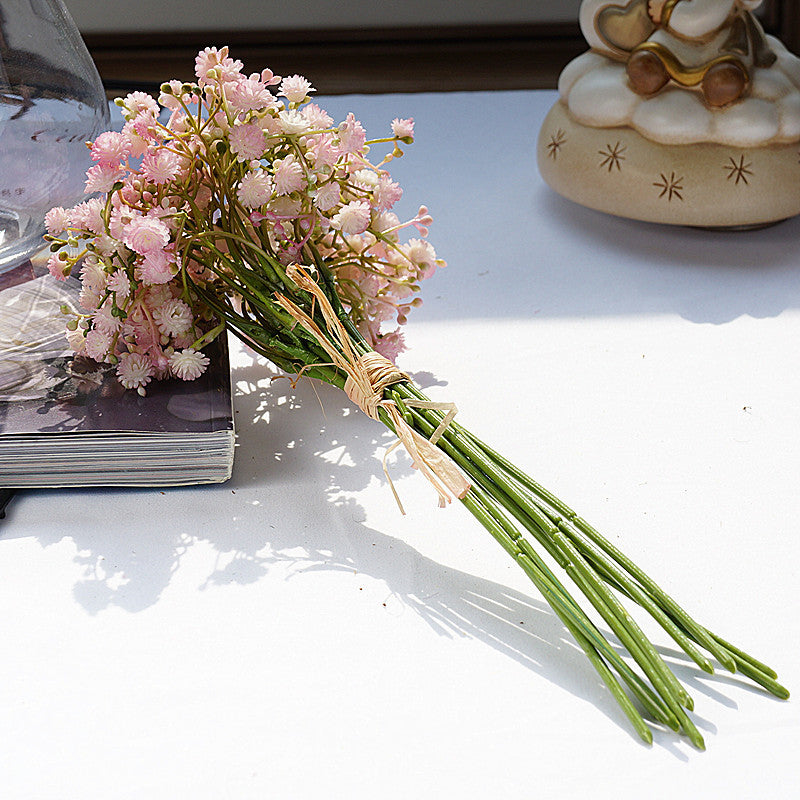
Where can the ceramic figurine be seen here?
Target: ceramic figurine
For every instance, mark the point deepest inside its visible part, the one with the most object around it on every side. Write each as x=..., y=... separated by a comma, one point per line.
x=682, y=112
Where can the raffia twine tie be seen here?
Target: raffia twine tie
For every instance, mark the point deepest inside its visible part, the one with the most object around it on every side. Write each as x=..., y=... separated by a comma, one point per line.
x=368, y=377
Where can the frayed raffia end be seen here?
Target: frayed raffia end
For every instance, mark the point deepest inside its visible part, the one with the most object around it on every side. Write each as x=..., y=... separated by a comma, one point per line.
x=368, y=376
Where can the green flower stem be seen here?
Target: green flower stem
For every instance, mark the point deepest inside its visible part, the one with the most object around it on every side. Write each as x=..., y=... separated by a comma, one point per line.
x=616, y=578
x=699, y=634
x=570, y=559
x=637, y=644
x=489, y=521
x=506, y=502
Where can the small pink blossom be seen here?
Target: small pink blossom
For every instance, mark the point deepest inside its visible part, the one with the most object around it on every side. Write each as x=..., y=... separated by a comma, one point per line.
x=324, y=152
x=160, y=166
x=247, y=141
x=135, y=371
x=97, y=344
x=120, y=284
x=105, y=321
x=174, y=317
x=352, y=135
x=327, y=196
x=255, y=189
x=76, y=339
x=249, y=94
x=146, y=235
x=93, y=276
x=158, y=267
x=111, y=148
x=188, y=364
x=403, y=128
x=387, y=193
x=316, y=116
x=292, y=122
x=101, y=177
x=353, y=217
x=210, y=58
x=137, y=102
x=288, y=176
x=390, y=345
x=57, y=268
x=422, y=255
x=137, y=143
x=89, y=216
x=57, y=220
x=295, y=88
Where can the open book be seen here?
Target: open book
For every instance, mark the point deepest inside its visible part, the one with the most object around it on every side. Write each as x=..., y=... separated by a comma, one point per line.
x=66, y=421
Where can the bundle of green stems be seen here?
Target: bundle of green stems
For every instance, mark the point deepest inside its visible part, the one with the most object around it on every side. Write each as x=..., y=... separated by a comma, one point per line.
x=540, y=532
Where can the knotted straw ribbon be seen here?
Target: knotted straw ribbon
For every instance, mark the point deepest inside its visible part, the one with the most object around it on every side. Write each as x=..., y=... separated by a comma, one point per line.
x=368, y=376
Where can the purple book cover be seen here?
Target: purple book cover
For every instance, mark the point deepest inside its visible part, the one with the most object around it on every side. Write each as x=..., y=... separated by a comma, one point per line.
x=45, y=389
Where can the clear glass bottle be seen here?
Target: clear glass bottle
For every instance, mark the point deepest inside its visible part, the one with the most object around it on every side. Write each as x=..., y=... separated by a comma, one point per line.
x=51, y=103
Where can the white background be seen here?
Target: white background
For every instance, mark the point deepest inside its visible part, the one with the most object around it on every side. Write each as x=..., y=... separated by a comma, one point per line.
x=290, y=635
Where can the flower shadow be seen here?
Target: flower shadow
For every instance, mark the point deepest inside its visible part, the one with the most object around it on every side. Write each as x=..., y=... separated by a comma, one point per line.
x=274, y=530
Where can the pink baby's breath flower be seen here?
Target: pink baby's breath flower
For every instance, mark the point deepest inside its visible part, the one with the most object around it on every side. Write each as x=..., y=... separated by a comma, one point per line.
x=316, y=116
x=158, y=267
x=288, y=176
x=351, y=135
x=390, y=345
x=292, y=122
x=385, y=222
x=387, y=193
x=352, y=218
x=57, y=220
x=403, y=128
x=160, y=166
x=135, y=371
x=226, y=68
x=137, y=102
x=57, y=268
x=255, y=189
x=138, y=144
x=249, y=94
x=422, y=255
x=120, y=284
x=188, y=364
x=247, y=141
x=97, y=344
x=295, y=88
x=111, y=148
x=101, y=177
x=324, y=152
x=93, y=276
x=327, y=196
x=174, y=317
x=89, y=216
x=146, y=235
x=145, y=126
x=105, y=321
x=89, y=297
x=365, y=178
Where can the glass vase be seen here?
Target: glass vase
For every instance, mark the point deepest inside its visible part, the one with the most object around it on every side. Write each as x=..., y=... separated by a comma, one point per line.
x=51, y=103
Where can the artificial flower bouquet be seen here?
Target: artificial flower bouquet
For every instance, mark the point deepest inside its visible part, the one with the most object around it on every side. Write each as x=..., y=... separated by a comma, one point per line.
x=234, y=203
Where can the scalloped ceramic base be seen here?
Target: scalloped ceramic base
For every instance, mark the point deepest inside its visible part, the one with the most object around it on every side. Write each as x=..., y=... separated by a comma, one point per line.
x=620, y=172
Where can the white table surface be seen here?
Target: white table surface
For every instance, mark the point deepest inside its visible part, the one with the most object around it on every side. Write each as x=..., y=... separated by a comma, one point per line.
x=290, y=635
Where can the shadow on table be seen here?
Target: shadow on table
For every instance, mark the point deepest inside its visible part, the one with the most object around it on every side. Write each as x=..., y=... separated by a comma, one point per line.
x=280, y=422
x=706, y=276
